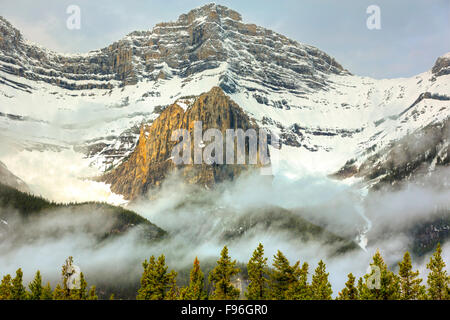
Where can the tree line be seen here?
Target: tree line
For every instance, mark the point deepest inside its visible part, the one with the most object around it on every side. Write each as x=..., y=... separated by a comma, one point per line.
x=13, y=288
x=280, y=281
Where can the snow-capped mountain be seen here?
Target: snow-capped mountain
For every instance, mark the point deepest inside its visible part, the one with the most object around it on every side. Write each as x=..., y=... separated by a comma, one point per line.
x=327, y=119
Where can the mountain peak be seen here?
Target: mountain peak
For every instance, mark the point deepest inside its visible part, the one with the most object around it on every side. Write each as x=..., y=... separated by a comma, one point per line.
x=211, y=12
x=8, y=34
x=206, y=38
x=442, y=65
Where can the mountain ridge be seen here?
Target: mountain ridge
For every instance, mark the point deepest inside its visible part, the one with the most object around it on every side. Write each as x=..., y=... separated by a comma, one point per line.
x=322, y=114
x=199, y=36
x=19, y=210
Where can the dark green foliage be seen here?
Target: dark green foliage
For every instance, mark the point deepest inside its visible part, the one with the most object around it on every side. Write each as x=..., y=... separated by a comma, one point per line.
x=438, y=279
x=47, y=293
x=92, y=294
x=59, y=293
x=280, y=219
x=320, y=286
x=428, y=234
x=80, y=293
x=389, y=283
x=300, y=289
x=18, y=291
x=284, y=282
x=31, y=206
x=196, y=288
x=221, y=277
x=409, y=280
x=6, y=288
x=283, y=277
x=350, y=292
x=36, y=288
x=25, y=203
x=173, y=292
x=156, y=282
x=257, y=270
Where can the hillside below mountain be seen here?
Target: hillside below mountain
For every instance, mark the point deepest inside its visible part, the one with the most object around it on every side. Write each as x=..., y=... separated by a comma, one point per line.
x=9, y=179
x=24, y=217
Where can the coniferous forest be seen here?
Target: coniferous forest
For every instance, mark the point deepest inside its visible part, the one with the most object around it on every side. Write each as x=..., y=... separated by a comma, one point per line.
x=279, y=281
x=226, y=159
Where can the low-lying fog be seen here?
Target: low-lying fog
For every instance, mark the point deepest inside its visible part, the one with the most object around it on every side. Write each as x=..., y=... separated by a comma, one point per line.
x=196, y=220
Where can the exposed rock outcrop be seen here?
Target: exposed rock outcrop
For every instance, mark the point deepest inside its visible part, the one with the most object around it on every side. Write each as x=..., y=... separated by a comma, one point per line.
x=442, y=65
x=413, y=156
x=151, y=162
x=197, y=41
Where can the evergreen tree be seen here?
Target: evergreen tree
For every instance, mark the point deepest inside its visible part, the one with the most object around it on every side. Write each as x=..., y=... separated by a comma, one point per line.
x=18, y=290
x=47, y=292
x=283, y=277
x=299, y=289
x=320, y=286
x=285, y=281
x=36, y=287
x=6, y=288
x=438, y=280
x=350, y=292
x=59, y=293
x=155, y=280
x=81, y=292
x=148, y=288
x=221, y=277
x=257, y=267
x=389, y=284
x=173, y=292
x=195, y=290
x=92, y=294
x=361, y=287
x=410, y=288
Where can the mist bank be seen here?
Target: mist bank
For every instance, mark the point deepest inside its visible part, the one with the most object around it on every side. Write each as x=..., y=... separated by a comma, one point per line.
x=307, y=216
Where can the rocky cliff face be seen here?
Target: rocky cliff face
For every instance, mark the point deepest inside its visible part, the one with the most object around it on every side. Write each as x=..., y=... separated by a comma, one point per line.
x=442, y=65
x=97, y=102
x=197, y=41
x=21, y=58
x=151, y=162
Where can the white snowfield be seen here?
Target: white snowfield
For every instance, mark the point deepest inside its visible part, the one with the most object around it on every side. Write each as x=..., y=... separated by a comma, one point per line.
x=352, y=114
x=324, y=115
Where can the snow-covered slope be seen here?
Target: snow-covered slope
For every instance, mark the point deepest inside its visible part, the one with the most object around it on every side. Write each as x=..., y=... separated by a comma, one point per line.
x=324, y=115
x=9, y=179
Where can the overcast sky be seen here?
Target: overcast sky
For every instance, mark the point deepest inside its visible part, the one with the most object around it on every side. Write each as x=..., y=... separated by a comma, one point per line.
x=413, y=32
